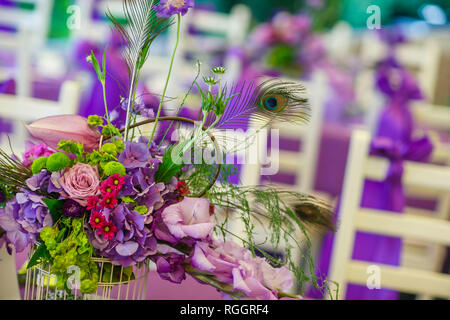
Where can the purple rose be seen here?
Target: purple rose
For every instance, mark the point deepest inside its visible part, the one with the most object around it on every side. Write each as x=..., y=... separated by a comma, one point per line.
x=189, y=218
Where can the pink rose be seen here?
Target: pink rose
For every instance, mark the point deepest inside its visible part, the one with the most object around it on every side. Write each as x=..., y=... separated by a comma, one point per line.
x=80, y=182
x=189, y=218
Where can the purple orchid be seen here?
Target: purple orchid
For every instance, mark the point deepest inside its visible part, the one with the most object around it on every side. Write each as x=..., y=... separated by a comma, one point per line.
x=167, y=8
x=189, y=218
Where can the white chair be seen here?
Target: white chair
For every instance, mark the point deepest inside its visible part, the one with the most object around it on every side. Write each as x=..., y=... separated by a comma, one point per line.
x=25, y=109
x=32, y=28
x=421, y=57
x=9, y=290
x=353, y=218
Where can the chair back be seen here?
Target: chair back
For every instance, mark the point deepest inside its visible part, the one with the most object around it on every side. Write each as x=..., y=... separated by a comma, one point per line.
x=353, y=218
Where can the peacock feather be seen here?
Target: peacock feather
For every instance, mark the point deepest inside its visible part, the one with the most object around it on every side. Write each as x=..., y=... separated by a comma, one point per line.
x=273, y=99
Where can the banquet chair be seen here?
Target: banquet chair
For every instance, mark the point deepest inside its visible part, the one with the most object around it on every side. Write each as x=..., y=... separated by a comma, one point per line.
x=343, y=269
x=421, y=57
x=24, y=109
x=29, y=31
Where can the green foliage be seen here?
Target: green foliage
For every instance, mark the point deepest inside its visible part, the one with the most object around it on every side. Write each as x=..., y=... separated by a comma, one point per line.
x=72, y=146
x=95, y=121
x=57, y=161
x=283, y=57
x=111, y=131
x=110, y=148
x=120, y=146
x=101, y=73
x=55, y=208
x=41, y=255
x=128, y=200
x=168, y=167
x=141, y=209
x=114, y=167
x=39, y=164
x=68, y=245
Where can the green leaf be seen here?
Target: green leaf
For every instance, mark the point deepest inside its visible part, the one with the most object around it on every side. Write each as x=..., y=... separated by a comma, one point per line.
x=168, y=168
x=55, y=208
x=96, y=67
x=39, y=255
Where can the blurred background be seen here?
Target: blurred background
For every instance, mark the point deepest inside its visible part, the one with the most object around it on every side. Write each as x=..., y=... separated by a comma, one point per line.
x=378, y=67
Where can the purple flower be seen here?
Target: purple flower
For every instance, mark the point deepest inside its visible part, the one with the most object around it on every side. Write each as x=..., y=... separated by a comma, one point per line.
x=189, y=218
x=133, y=242
x=15, y=234
x=167, y=8
x=135, y=155
x=33, y=213
x=233, y=264
x=23, y=218
x=170, y=266
x=73, y=209
x=2, y=197
x=34, y=151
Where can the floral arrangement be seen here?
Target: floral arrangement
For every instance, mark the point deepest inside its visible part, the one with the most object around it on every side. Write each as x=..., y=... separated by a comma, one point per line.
x=90, y=189
x=287, y=43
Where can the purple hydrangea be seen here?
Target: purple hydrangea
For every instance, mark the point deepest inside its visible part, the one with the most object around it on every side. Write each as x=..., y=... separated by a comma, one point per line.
x=45, y=181
x=2, y=197
x=167, y=8
x=133, y=242
x=15, y=234
x=23, y=218
x=135, y=155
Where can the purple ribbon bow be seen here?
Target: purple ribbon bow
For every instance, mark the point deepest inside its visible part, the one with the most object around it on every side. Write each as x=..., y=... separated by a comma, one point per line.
x=397, y=152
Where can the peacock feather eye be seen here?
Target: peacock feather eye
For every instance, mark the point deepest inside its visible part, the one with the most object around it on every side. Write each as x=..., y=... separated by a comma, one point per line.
x=274, y=102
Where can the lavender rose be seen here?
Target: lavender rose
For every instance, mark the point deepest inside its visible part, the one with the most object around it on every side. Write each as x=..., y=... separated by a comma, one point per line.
x=80, y=182
x=189, y=218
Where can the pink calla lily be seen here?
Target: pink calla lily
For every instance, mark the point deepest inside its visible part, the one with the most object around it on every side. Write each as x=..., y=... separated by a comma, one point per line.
x=51, y=130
